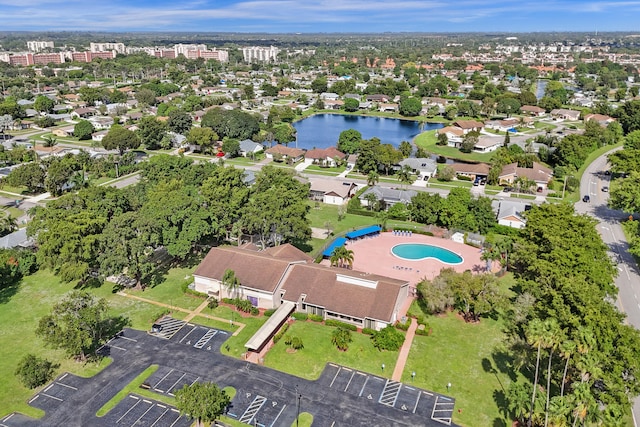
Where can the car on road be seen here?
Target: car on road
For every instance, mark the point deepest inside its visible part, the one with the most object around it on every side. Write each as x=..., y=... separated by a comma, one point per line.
x=605, y=189
x=586, y=199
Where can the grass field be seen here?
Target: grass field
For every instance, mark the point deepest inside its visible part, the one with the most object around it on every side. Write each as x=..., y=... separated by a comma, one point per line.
x=318, y=350
x=427, y=141
x=458, y=353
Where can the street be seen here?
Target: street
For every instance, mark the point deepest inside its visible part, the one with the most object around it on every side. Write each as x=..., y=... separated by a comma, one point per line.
x=593, y=180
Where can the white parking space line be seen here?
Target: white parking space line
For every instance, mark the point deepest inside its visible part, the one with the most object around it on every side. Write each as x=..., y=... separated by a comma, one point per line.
x=160, y=417
x=127, y=338
x=53, y=397
x=335, y=376
x=130, y=409
x=65, y=385
x=350, y=379
x=162, y=379
x=34, y=398
x=278, y=416
x=145, y=412
x=183, y=338
x=417, y=401
x=176, y=383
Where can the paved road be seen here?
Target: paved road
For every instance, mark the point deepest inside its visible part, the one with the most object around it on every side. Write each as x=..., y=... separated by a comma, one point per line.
x=628, y=280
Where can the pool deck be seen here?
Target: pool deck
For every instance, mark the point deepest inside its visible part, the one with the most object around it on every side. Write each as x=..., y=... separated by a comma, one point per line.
x=373, y=255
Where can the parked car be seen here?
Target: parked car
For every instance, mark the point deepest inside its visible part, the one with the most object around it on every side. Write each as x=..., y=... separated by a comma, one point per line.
x=586, y=199
x=605, y=189
x=155, y=328
x=607, y=172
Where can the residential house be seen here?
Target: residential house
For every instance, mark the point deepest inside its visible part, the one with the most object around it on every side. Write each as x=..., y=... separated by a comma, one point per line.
x=331, y=104
x=511, y=212
x=99, y=136
x=17, y=239
x=601, y=119
x=533, y=110
x=249, y=148
x=283, y=152
x=63, y=132
x=377, y=98
x=564, y=114
x=468, y=125
x=285, y=275
x=351, y=161
x=83, y=113
x=328, y=157
x=101, y=122
x=471, y=170
x=425, y=168
x=487, y=144
x=539, y=174
x=388, y=107
x=387, y=196
x=331, y=192
x=502, y=125
x=454, y=135
x=329, y=96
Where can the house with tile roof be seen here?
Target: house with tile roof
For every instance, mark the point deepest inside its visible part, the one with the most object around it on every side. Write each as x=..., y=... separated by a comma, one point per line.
x=328, y=157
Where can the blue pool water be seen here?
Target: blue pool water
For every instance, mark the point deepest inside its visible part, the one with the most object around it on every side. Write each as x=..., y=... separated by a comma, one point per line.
x=420, y=251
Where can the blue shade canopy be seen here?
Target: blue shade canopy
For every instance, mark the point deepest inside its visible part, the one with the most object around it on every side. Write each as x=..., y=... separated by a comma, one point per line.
x=363, y=232
x=333, y=245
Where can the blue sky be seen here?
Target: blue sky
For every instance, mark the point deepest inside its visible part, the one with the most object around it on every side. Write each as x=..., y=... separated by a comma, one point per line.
x=284, y=16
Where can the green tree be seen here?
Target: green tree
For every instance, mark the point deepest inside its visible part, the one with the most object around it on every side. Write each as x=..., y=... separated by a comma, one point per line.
x=231, y=123
x=425, y=207
x=78, y=324
x=203, y=402
x=231, y=147
x=83, y=130
x=373, y=178
x=351, y=105
x=405, y=148
x=437, y=294
x=59, y=174
x=226, y=195
x=146, y=97
x=179, y=121
x=410, y=106
x=30, y=175
x=127, y=244
x=349, y=141
x=121, y=139
x=446, y=173
x=405, y=175
x=49, y=141
x=202, y=137
x=151, y=132
x=35, y=371
x=319, y=85
x=626, y=194
x=341, y=337
x=368, y=155
x=342, y=257
x=43, y=104
x=387, y=156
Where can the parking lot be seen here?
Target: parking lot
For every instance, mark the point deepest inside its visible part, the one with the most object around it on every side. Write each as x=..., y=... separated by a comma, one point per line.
x=258, y=410
x=120, y=344
x=393, y=394
x=167, y=381
x=140, y=411
x=56, y=393
x=201, y=337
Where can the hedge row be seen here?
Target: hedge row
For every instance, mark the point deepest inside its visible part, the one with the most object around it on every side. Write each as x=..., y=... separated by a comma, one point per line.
x=278, y=336
x=300, y=316
x=316, y=318
x=331, y=322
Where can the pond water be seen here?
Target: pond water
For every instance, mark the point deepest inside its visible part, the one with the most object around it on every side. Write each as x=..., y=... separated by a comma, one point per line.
x=323, y=130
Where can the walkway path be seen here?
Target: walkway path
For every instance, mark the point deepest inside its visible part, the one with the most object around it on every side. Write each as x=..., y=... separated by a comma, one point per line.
x=404, y=351
x=191, y=313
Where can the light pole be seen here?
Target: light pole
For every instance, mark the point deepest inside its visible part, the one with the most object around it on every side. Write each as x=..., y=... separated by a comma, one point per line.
x=413, y=375
x=298, y=397
x=382, y=367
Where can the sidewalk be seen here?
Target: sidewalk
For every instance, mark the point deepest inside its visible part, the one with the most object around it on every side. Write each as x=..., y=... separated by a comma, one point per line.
x=404, y=351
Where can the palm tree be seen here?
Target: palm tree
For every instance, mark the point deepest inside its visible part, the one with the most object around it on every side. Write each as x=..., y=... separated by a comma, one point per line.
x=373, y=178
x=231, y=282
x=49, y=141
x=8, y=224
x=559, y=411
x=343, y=256
x=567, y=348
x=371, y=199
x=535, y=337
x=553, y=337
x=405, y=175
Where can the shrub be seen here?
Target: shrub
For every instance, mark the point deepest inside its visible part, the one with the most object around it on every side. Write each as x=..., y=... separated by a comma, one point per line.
x=185, y=284
x=463, y=178
x=269, y=312
x=229, y=301
x=160, y=314
x=368, y=331
x=296, y=343
x=34, y=371
x=423, y=329
x=278, y=336
x=331, y=322
x=315, y=318
x=255, y=311
x=244, y=305
x=197, y=294
x=403, y=326
x=341, y=338
x=388, y=338
x=213, y=304
x=300, y=316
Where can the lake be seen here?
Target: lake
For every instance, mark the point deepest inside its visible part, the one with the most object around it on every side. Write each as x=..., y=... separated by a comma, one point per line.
x=323, y=130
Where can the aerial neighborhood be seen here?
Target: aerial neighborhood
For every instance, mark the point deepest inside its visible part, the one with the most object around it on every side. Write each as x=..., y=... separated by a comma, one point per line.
x=313, y=229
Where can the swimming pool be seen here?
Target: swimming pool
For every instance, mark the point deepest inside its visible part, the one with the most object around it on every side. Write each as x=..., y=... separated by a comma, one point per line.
x=421, y=251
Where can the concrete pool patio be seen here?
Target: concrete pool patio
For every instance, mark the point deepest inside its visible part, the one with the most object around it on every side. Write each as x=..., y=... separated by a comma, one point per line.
x=373, y=255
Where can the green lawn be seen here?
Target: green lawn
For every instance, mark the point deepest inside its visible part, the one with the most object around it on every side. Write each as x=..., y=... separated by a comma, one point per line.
x=455, y=353
x=318, y=350
x=427, y=141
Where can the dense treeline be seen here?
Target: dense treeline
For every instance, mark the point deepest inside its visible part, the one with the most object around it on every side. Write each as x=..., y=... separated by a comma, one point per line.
x=177, y=207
